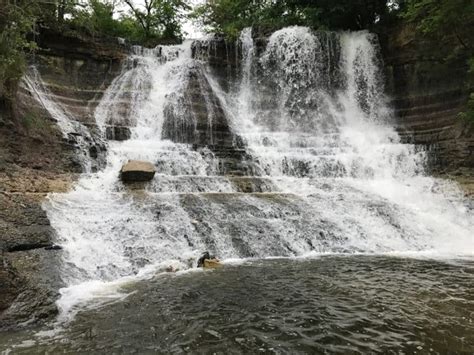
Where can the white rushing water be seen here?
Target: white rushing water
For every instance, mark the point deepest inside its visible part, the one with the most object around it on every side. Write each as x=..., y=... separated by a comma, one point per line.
x=313, y=116
x=72, y=130
x=108, y=234
x=316, y=119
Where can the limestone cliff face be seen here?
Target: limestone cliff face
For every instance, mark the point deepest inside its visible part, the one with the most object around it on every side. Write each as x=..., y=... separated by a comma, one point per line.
x=78, y=70
x=428, y=91
x=35, y=159
x=199, y=119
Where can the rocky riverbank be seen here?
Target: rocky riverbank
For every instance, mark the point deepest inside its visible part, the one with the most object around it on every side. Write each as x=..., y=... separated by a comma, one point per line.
x=31, y=166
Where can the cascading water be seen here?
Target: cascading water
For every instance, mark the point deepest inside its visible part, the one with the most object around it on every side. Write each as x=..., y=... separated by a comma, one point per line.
x=72, y=130
x=312, y=112
x=107, y=233
x=333, y=174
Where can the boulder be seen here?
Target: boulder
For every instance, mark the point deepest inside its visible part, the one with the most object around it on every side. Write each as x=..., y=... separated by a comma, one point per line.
x=212, y=263
x=136, y=170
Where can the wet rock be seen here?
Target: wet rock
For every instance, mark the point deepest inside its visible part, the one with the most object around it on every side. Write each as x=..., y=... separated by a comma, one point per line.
x=117, y=133
x=427, y=95
x=9, y=285
x=36, y=159
x=172, y=268
x=24, y=223
x=93, y=152
x=29, y=284
x=136, y=170
x=211, y=264
x=251, y=184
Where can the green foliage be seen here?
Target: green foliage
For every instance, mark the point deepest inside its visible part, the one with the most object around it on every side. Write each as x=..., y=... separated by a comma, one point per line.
x=450, y=22
x=98, y=18
x=468, y=115
x=228, y=16
x=443, y=19
x=147, y=22
x=231, y=16
x=16, y=20
x=157, y=20
x=33, y=122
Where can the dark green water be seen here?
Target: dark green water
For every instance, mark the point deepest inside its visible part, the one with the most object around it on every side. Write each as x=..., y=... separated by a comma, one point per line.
x=356, y=304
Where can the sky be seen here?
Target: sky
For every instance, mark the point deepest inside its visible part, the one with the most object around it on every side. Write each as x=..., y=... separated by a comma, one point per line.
x=188, y=27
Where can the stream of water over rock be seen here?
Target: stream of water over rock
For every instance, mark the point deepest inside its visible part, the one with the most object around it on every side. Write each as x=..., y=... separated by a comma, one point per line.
x=328, y=175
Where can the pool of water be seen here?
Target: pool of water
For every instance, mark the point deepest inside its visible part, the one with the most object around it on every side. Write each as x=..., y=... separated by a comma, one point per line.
x=329, y=304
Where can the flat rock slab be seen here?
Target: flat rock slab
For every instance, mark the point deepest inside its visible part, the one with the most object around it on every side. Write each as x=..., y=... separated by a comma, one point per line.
x=135, y=171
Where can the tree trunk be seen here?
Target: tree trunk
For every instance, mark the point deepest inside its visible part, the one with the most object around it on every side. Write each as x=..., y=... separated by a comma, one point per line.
x=11, y=104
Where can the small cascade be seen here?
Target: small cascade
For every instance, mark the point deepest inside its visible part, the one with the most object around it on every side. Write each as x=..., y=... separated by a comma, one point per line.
x=73, y=131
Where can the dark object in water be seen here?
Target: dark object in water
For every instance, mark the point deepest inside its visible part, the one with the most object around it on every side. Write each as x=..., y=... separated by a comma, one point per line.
x=53, y=247
x=202, y=258
x=208, y=261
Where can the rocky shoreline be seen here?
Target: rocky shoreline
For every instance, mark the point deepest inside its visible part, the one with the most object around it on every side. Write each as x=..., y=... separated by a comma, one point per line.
x=29, y=276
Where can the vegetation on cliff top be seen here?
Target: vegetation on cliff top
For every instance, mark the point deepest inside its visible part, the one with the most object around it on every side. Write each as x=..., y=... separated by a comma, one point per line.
x=145, y=22
x=16, y=22
x=231, y=16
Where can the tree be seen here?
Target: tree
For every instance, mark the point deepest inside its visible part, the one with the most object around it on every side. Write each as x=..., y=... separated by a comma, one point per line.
x=450, y=23
x=443, y=19
x=231, y=16
x=54, y=12
x=158, y=18
x=17, y=19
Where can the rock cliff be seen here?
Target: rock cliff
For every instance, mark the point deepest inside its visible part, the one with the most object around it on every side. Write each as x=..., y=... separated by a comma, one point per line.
x=36, y=159
x=429, y=88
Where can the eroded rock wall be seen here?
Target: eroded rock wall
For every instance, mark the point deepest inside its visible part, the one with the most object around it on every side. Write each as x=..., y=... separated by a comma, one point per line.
x=427, y=82
x=36, y=159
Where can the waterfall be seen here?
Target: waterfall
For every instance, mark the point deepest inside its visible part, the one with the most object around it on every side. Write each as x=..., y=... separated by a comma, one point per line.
x=73, y=131
x=108, y=233
x=329, y=173
x=312, y=111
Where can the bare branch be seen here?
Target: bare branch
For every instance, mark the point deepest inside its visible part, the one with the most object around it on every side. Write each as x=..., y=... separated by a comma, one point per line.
x=137, y=14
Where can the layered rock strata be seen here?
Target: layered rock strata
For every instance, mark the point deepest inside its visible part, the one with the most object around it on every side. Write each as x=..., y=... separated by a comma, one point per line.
x=36, y=159
x=428, y=84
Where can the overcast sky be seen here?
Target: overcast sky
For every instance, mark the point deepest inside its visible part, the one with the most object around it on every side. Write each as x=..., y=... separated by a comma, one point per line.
x=191, y=30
